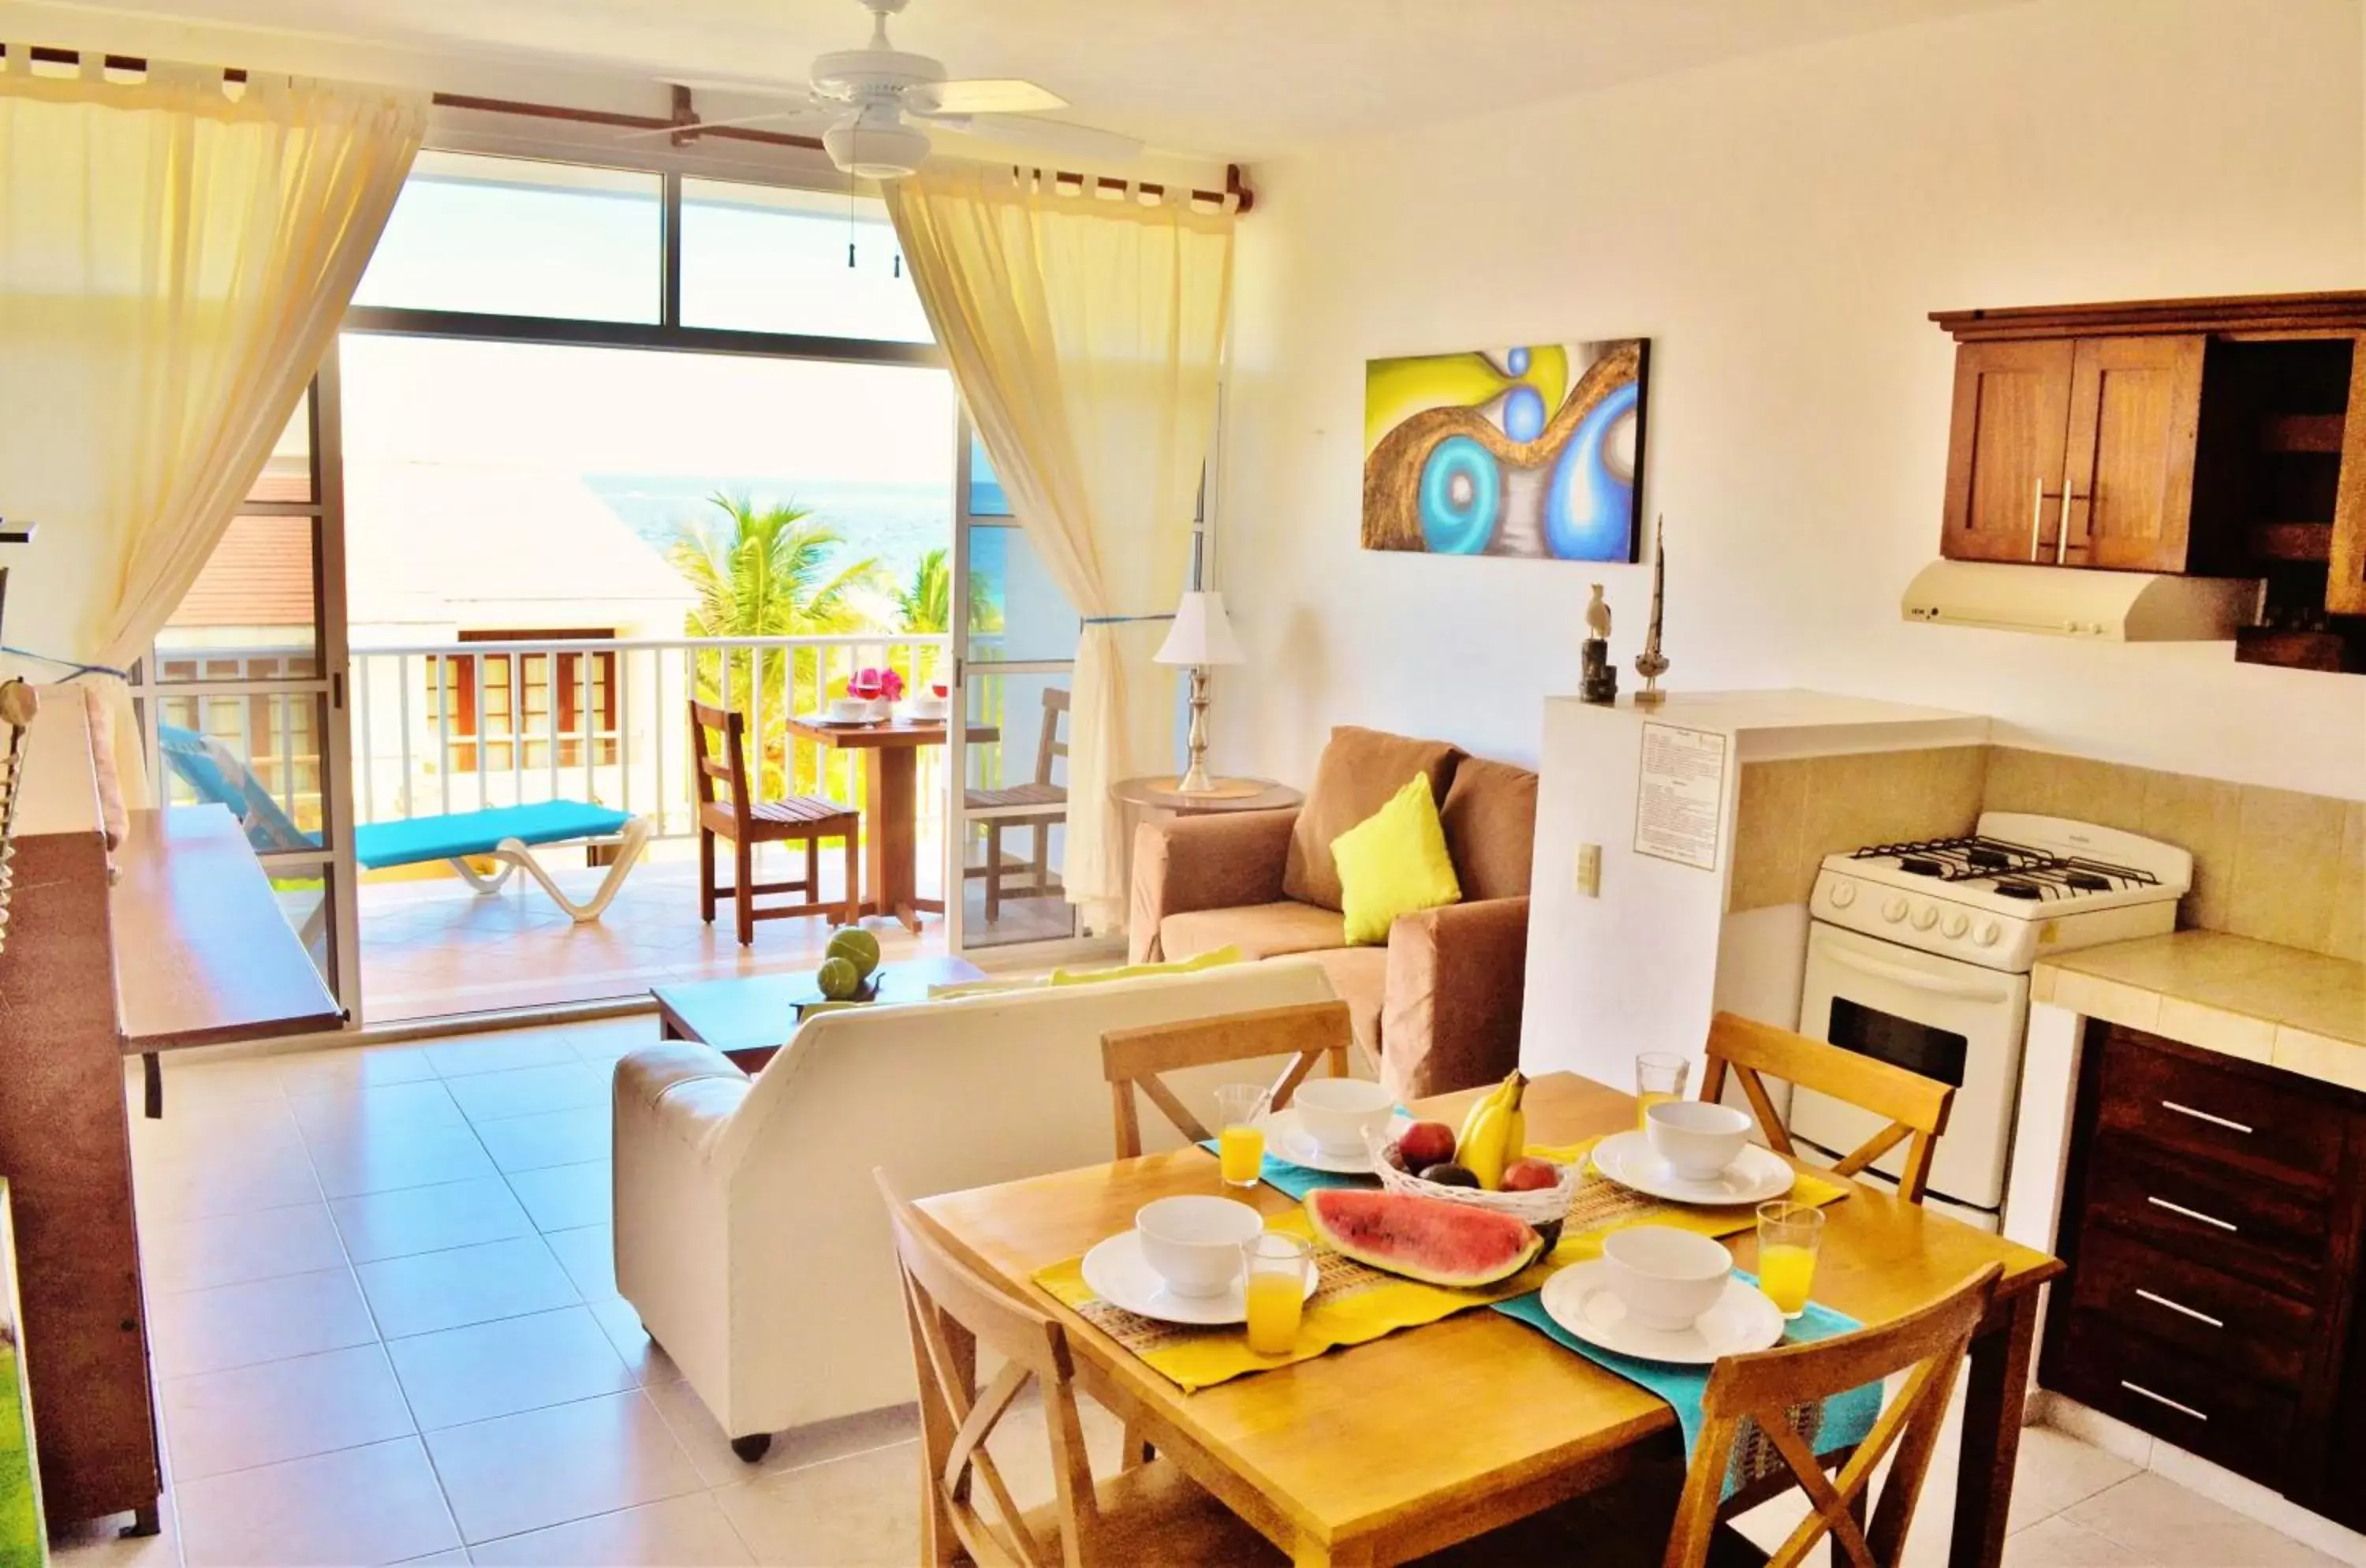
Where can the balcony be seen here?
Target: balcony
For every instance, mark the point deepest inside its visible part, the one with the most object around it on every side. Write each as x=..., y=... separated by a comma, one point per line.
x=440, y=727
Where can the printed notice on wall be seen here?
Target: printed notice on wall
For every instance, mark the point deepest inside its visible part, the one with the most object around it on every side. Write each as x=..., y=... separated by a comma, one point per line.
x=1679, y=801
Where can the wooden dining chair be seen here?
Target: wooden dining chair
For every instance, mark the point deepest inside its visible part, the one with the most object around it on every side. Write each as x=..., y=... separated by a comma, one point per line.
x=1042, y=791
x=1917, y=1107
x=1150, y=1513
x=1752, y=1404
x=747, y=822
x=1133, y=1058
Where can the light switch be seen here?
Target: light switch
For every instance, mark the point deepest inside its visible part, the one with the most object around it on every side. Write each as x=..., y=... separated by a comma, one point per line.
x=1589, y=870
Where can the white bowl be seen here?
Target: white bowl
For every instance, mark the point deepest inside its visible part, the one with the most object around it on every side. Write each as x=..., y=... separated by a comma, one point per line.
x=849, y=710
x=1665, y=1277
x=1698, y=1138
x=1338, y=1113
x=1194, y=1243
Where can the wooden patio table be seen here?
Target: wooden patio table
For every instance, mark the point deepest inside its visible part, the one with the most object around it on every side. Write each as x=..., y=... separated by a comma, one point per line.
x=1379, y=1452
x=891, y=804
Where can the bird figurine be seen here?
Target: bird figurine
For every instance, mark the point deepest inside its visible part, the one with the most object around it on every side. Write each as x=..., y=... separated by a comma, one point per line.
x=1597, y=615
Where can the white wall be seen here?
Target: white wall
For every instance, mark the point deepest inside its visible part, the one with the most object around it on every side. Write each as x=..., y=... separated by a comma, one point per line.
x=1780, y=228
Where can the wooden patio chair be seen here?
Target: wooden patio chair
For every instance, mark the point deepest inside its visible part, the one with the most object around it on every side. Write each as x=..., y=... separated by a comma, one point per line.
x=1152, y=1513
x=1917, y=1107
x=1039, y=790
x=1133, y=1058
x=747, y=822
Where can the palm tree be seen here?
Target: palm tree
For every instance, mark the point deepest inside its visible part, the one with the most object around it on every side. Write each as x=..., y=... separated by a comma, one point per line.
x=926, y=603
x=768, y=571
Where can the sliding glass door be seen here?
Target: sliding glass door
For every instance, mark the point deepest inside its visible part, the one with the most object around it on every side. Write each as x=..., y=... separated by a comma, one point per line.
x=242, y=699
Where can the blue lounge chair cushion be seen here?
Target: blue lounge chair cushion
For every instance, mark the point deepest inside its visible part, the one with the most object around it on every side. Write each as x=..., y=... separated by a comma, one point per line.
x=380, y=844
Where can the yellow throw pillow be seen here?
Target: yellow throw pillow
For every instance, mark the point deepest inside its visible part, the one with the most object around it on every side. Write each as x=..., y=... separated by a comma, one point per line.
x=1393, y=862
x=1214, y=959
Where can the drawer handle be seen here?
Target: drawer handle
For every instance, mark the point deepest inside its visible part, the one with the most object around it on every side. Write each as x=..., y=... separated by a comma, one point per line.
x=2191, y=1213
x=2163, y=1399
x=2181, y=1307
x=2205, y=1116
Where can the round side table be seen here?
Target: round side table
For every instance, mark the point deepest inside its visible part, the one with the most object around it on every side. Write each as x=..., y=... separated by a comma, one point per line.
x=1159, y=793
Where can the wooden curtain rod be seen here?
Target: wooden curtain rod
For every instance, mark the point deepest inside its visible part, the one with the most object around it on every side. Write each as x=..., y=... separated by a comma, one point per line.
x=684, y=125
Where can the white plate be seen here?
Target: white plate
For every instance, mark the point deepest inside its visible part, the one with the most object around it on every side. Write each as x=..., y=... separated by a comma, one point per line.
x=1286, y=1138
x=1759, y=1174
x=1116, y=1272
x=1579, y=1299
x=826, y=722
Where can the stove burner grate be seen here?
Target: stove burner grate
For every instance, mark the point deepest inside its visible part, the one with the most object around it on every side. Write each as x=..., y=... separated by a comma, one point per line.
x=2017, y=871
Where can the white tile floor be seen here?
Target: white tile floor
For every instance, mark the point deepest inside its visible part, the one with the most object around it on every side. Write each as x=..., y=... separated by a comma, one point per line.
x=385, y=1329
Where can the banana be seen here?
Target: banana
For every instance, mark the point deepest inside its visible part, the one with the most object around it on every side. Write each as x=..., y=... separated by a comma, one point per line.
x=1478, y=1108
x=1496, y=1136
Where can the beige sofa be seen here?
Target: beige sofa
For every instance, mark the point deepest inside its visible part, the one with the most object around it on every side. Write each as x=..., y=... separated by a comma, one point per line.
x=749, y=1236
x=1439, y=1006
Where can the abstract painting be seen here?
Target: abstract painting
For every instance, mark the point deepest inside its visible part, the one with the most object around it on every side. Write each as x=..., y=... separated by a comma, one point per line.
x=1530, y=451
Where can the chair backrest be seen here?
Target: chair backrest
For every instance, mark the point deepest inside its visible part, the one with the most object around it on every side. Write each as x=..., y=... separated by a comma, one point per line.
x=1917, y=1107
x=220, y=778
x=1051, y=743
x=951, y=1309
x=1756, y=1397
x=731, y=768
x=1133, y=1058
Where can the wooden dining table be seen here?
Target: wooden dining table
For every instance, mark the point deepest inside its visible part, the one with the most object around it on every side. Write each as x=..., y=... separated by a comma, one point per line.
x=1379, y=1452
x=891, y=804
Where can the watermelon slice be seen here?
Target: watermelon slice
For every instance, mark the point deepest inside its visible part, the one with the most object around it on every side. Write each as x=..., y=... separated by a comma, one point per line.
x=1430, y=1239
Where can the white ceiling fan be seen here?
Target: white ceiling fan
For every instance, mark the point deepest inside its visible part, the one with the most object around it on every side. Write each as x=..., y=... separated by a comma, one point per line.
x=875, y=101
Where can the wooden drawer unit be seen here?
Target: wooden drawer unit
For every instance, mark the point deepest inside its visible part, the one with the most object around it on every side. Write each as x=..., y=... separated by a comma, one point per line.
x=2194, y=1110
x=2242, y=1423
x=2203, y=1311
x=2215, y=1227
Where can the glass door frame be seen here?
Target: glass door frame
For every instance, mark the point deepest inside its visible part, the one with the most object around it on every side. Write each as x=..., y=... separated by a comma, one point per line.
x=327, y=686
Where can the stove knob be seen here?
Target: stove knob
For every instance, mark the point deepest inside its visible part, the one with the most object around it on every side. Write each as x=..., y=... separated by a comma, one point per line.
x=1989, y=933
x=1843, y=895
x=1894, y=911
x=1926, y=916
x=1957, y=924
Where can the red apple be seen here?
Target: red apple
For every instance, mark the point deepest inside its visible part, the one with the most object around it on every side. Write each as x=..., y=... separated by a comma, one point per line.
x=1530, y=1175
x=1425, y=1144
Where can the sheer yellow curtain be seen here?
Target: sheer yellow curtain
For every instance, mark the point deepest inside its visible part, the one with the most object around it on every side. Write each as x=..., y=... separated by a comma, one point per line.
x=1086, y=334
x=174, y=257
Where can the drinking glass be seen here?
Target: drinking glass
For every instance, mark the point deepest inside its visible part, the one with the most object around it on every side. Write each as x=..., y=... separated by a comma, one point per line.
x=1240, y=1133
x=1659, y=1076
x=1276, y=1268
x=1788, y=1236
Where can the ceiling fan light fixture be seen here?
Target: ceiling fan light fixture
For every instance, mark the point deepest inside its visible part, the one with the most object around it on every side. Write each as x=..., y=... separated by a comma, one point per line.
x=874, y=147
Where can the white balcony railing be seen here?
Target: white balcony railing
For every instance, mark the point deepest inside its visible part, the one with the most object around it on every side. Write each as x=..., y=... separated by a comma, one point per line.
x=441, y=727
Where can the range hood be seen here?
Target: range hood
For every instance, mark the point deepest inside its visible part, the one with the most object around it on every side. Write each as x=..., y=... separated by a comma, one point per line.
x=2110, y=606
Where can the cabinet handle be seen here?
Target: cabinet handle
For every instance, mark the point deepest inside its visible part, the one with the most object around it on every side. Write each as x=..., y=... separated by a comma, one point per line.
x=2205, y=1116
x=2190, y=1213
x=2036, y=518
x=2062, y=529
x=2163, y=1399
x=2181, y=1307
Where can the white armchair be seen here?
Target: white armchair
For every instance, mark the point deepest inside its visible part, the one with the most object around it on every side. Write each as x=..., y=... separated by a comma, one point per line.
x=749, y=1234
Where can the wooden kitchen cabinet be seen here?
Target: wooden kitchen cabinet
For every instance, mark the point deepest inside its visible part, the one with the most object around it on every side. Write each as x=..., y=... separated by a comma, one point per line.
x=2213, y=1227
x=2004, y=454
x=2196, y=437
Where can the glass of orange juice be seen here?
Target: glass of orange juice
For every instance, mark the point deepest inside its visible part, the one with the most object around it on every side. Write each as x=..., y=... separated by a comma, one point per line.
x=1659, y=1076
x=1240, y=1133
x=1788, y=1236
x=1275, y=1269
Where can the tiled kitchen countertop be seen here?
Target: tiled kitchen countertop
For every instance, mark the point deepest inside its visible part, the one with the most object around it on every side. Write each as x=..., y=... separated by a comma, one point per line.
x=2301, y=1012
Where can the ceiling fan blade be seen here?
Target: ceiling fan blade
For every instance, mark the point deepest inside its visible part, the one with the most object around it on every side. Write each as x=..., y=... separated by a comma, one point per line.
x=1050, y=135
x=994, y=96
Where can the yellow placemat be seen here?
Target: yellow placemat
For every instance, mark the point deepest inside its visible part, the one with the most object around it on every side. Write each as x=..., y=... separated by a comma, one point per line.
x=1353, y=1303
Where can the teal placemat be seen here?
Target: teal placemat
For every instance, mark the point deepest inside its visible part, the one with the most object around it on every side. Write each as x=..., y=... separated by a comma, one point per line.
x=1843, y=1422
x=1297, y=1180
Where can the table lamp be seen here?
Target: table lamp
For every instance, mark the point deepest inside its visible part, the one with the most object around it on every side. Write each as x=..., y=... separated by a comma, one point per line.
x=1201, y=636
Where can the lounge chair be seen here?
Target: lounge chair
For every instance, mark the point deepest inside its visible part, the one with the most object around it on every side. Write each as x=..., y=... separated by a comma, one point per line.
x=505, y=833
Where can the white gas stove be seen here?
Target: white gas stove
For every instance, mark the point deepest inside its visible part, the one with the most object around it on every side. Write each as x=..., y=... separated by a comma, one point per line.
x=1919, y=954
x=2019, y=887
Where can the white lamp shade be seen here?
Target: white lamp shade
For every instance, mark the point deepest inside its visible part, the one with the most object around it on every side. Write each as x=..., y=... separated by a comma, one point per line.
x=1200, y=634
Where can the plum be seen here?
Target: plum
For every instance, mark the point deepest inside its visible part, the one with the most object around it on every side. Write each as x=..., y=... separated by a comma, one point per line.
x=1448, y=1174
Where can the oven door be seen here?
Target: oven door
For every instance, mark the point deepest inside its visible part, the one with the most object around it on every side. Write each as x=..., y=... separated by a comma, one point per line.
x=1939, y=1017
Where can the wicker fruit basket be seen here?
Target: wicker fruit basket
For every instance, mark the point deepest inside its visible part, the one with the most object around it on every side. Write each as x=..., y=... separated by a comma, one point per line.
x=1544, y=1207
